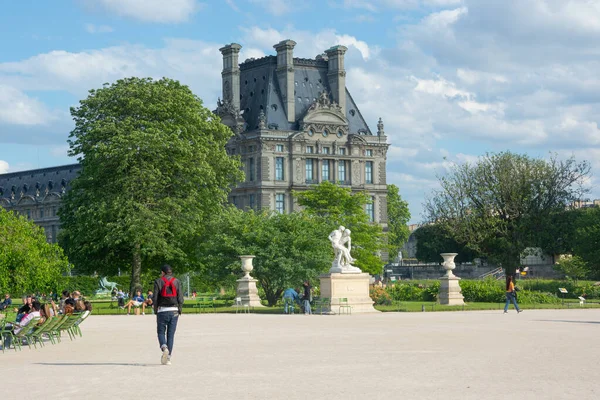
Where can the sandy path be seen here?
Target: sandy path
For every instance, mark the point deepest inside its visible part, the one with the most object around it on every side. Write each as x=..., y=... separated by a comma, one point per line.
x=468, y=355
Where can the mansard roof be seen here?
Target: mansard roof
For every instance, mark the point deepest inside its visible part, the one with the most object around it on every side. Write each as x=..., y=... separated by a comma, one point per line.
x=37, y=183
x=259, y=91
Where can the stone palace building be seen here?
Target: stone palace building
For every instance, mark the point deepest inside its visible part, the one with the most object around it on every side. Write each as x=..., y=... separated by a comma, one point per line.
x=295, y=125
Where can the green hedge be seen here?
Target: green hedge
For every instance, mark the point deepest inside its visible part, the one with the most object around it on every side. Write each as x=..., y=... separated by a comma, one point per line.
x=491, y=291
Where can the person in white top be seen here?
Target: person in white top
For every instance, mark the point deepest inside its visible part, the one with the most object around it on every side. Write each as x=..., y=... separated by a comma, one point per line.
x=18, y=327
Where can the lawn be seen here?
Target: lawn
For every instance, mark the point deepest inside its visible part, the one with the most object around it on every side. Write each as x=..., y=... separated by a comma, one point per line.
x=191, y=306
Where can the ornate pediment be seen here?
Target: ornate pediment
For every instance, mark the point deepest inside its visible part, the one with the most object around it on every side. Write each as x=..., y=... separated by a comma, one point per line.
x=230, y=116
x=324, y=114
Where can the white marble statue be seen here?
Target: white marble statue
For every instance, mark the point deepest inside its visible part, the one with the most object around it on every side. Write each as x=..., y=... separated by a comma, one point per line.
x=342, y=245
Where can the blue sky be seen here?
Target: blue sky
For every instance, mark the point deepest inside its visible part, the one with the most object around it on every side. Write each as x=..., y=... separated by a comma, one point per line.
x=451, y=79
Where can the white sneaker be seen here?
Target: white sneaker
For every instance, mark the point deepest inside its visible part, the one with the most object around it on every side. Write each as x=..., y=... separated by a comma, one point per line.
x=143, y=313
x=164, y=359
x=168, y=361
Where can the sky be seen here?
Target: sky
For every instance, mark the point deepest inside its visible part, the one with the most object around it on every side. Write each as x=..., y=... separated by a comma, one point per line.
x=451, y=79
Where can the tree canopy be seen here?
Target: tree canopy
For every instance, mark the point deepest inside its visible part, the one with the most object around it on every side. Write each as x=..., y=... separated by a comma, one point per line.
x=289, y=248
x=498, y=205
x=154, y=167
x=433, y=239
x=334, y=206
x=28, y=263
x=398, y=217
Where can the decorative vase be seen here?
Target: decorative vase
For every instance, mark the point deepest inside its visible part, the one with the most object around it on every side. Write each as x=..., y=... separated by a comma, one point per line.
x=247, y=266
x=448, y=263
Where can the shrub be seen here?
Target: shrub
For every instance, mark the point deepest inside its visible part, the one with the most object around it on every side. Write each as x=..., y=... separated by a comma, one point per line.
x=380, y=296
x=486, y=291
x=528, y=297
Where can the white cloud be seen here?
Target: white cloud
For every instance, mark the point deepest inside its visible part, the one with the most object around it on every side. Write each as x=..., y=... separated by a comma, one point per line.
x=233, y=6
x=309, y=44
x=19, y=109
x=383, y=5
x=4, y=167
x=91, y=28
x=171, y=11
x=195, y=63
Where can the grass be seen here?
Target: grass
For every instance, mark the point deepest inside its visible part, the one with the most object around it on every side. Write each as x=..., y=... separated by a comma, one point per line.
x=107, y=307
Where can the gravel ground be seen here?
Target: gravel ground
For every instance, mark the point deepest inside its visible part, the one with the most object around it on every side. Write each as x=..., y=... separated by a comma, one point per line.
x=549, y=354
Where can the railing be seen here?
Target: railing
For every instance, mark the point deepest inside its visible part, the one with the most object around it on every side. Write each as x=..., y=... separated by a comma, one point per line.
x=497, y=273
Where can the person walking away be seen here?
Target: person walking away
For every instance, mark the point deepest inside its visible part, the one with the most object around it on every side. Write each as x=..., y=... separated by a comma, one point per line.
x=510, y=294
x=167, y=303
x=307, y=298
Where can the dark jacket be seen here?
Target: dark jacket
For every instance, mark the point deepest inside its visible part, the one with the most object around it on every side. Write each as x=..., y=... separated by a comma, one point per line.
x=159, y=301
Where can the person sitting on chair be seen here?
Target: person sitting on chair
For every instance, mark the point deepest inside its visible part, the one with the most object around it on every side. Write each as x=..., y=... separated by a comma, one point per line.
x=136, y=301
x=7, y=302
x=147, y=302
x=17, y=327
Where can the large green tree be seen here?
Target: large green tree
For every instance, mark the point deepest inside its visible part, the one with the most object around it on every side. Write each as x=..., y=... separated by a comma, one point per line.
x=289, y=248
x=27, y=262
x=497, y=205
x=335, y=205
x=586, y=243
x=153, y=167
x=398, y=217
x=433, y=239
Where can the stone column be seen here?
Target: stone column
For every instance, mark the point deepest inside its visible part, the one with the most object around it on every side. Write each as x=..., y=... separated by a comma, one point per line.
x=231, y=74
x=450, y=293
x=246, y=288
x=285, y=76
x=336, y=75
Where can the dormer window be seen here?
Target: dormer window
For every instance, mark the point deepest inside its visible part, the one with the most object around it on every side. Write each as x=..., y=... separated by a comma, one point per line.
x=325, y=133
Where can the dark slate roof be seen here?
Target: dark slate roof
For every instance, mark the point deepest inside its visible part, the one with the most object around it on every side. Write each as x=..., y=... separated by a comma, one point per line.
x=53, y=178
x=259, y=90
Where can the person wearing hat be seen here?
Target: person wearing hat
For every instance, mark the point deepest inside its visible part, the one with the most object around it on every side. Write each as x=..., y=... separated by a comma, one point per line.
x=167, y=302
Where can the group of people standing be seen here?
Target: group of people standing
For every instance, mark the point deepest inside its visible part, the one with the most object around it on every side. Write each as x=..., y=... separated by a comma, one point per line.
x=291, y=295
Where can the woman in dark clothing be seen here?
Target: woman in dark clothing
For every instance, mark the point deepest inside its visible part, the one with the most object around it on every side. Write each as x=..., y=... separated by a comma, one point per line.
x=307, y=297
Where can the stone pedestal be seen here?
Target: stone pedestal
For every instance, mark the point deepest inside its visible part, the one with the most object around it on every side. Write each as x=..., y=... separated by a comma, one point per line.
x=246, y=286
x=247, y=291
x=450, y=293
x=354, y=287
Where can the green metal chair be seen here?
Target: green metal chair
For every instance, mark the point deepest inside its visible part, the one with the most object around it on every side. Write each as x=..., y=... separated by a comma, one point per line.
x=40, y=329
x=323, y=304
x=23, y=334
x=343, y=305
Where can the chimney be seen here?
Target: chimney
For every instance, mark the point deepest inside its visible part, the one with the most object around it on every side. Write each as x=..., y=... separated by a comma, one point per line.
x=285, y=76
x=231, y=74
x=337, y=75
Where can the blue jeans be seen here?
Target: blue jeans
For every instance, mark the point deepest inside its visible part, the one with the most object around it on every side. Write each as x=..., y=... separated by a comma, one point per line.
x=289, y=302
x=307, y=307
x=510, y=297
x=166, y=325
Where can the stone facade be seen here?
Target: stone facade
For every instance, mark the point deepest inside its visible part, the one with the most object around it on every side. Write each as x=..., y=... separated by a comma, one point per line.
x=297, y=125
x=37, y=194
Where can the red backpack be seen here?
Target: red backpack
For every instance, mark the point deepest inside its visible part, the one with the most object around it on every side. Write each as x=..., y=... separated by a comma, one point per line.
x=168, y=283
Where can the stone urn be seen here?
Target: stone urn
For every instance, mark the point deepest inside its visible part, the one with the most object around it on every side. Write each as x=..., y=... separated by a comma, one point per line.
x=247, y=266
x=448, y=263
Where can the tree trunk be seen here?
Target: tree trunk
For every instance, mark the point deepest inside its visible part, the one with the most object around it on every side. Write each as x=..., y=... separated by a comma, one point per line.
x=136, y=271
